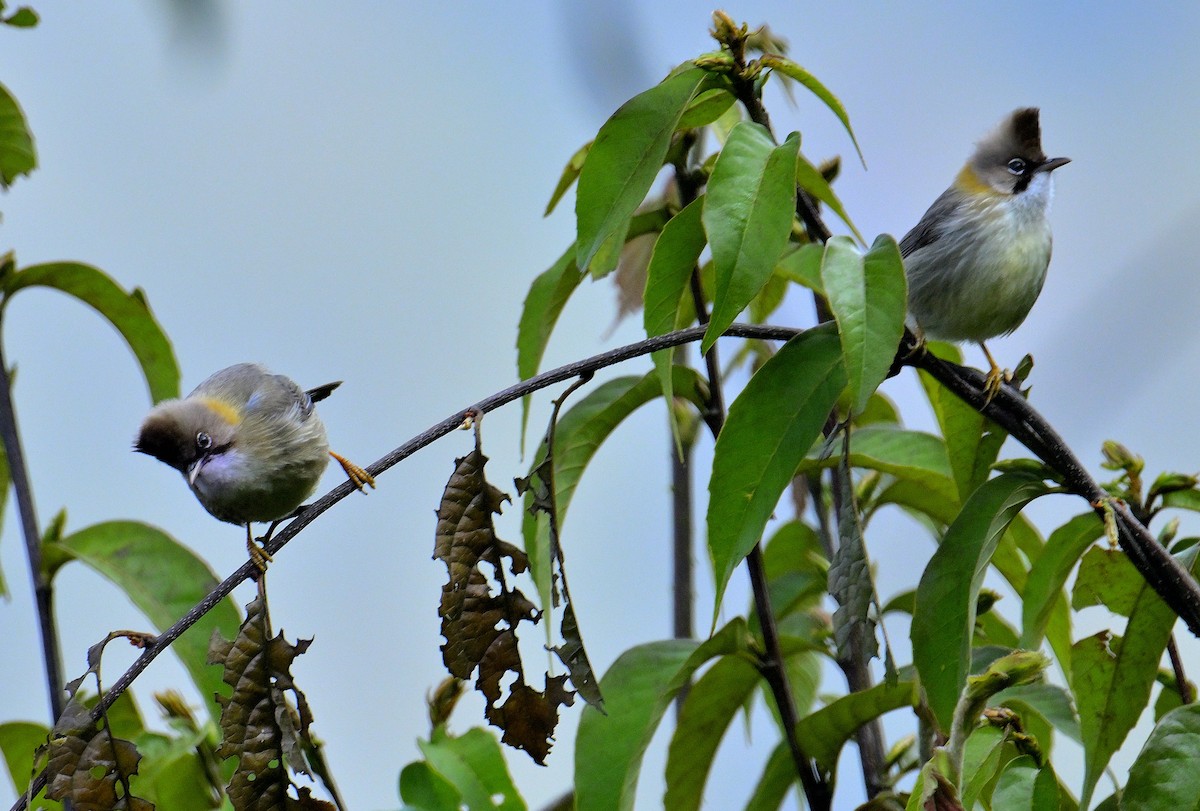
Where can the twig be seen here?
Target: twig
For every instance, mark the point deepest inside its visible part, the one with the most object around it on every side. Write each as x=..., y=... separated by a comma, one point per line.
x=43, y=590
x=1013, y=413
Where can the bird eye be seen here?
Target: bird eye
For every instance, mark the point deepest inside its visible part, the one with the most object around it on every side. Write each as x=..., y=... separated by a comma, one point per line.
x=203, y=441
x=1016, y=166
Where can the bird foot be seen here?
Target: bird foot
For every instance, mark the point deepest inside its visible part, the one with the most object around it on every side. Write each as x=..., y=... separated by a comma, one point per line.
x=996, y=378
x=258, y=555
x=358, y=477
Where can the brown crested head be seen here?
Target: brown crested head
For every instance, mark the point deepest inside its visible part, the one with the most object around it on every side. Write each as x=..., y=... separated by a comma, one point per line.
x=178, y=432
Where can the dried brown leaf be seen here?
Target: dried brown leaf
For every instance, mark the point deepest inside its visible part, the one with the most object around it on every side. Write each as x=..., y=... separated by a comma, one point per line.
x=479, y=618
x=87, y=762
x=259, y=724
x=528, y=717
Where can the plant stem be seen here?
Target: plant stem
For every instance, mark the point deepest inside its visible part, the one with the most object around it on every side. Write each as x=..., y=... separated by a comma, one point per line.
x=43, y=591
x=1013, y=413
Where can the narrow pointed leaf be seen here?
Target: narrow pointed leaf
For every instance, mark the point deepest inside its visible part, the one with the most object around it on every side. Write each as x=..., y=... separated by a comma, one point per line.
x=793, y=71
x=638, y=688
x=569, y=174
x=668, y=278
x=543, y=305
x=778, y=777
x=473, y=764
x=944, y=617
x=809, y=178
x=17, y=155
x=824, y=732
x=972, y=441
x=626, y=157
x=903, y=453
x=127, y=312
x=579, y=434
x=868, y=294
x=164, y=579
x=748, y=214
x=18, y=742
x=1164, y=774
x=1111, y=678
x=706, y=108
x=711, y=704
x=771, y=426
x=803, y=266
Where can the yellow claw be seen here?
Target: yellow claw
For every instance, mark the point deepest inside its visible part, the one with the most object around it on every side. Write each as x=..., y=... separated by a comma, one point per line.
x=996, y=377
x=358, y=477
x=257, y=554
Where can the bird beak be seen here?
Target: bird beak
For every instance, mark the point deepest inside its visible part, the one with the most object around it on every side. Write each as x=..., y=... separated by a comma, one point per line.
x=194, y=470
x=1052, y=164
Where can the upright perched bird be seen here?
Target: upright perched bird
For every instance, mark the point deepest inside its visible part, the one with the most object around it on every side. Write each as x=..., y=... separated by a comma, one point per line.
x=249, y=444
x=977, y=260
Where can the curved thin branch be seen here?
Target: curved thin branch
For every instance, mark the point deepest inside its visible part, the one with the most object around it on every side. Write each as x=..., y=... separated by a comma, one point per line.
x=1012, y=412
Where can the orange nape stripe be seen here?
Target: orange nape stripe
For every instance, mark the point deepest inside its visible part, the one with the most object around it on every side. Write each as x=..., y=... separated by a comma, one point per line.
x=223, y=409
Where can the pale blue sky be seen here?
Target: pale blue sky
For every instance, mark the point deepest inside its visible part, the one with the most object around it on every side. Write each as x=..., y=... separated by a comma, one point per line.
x=354, y=191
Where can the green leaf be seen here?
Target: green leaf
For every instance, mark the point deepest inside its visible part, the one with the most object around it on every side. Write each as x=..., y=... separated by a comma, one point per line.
x=423, y=788
x=1049, y=572
x=1049, y=700
x=778, y=777
x=668, y=275
x=474, y=765
x=982, y=761
x=17, y=155
x=771, y=426
x=905, y=454
x=824, y=732
x=793, y=71
x=18, y=741
x=706, y=108
x=127, y=312
x=164, y=580
x=803, y=266
x=1111, y=678
x=748, y=214
x=626, y=157
x=711, y=704
x=579, y=434
x=637, y=689
x=1164, y=774
x=1024, y=787
x=868, y=295
x=944, y=618
x=1106, y=577
x=972, y=441
x=809, y=178
x=171, y=775
x=569, y=174
x=543, y=305
x=24, y=17
x=1182, y=500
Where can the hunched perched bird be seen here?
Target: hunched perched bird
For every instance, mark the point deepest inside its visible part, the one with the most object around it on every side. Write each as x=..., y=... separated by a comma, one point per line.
x=250, y=445
x=977, y=260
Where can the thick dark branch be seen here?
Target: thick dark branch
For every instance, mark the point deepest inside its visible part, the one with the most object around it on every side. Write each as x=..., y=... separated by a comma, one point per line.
x=1011, y=412
x=42, y=589
x=1014, y=414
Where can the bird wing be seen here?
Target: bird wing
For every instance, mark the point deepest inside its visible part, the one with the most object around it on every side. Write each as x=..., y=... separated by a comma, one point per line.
x=927, y=231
